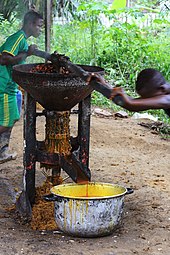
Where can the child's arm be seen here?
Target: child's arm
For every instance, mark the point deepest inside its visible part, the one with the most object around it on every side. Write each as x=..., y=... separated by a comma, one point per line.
x=118, y=96
x=140, y=104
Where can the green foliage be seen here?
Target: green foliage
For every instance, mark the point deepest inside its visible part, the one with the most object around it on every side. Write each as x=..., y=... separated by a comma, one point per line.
x=117, y=4
x=12, y=9
x=7, y=29
x=6, y=8
x=123, y=48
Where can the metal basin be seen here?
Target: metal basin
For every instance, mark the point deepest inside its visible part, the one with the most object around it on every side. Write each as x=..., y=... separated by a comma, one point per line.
x=88, y=210
x=54, y=91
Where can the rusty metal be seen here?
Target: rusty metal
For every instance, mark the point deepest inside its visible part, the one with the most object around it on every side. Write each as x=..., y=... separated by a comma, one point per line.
x=84, y=130
x=27, y=196
x=58, y=93
x=62, y=60
x=29, y=146
x=54, y=91
x=86, y=74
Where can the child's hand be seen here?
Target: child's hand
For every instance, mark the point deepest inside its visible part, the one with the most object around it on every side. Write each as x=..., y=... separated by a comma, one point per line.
x=117, y=91
x=97, y=77
x=118, y=96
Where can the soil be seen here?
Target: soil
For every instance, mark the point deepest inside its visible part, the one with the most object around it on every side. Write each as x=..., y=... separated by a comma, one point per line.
x=122, y=152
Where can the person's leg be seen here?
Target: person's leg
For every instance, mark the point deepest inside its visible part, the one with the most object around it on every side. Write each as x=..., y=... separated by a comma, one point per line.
x=4, y=146
x=9, y=114
x=2, y=129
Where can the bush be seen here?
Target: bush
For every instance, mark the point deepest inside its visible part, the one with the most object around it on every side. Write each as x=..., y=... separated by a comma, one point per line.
x=123, y=49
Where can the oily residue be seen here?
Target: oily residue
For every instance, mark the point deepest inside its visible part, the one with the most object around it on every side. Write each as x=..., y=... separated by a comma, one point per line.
x=43, y=212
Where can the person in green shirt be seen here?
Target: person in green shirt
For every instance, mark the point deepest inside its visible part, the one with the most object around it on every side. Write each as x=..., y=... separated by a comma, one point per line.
x=14, y=51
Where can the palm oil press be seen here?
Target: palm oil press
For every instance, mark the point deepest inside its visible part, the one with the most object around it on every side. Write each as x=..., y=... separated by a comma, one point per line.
x=83, y=209
x=58, y=93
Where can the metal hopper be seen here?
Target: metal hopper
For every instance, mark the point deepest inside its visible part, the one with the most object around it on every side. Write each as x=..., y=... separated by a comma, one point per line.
x=54, y=91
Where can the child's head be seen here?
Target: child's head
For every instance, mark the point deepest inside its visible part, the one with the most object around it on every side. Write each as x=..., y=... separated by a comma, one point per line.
x=32, y=23
x=150, y=83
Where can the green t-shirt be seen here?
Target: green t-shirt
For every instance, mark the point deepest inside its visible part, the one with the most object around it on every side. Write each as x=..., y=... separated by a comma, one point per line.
x=14, y=44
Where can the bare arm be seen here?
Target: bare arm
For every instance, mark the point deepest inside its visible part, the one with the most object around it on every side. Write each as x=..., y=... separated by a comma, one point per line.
x=8, y=59
x=118, y=96
x=142, y=104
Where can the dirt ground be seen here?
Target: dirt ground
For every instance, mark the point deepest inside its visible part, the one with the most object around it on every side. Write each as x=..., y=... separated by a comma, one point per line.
x=121, y=151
